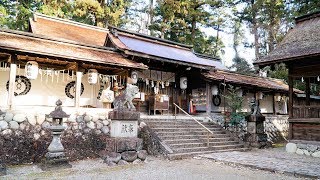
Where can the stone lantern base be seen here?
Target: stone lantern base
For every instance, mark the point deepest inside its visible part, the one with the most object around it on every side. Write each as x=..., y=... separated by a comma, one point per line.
x=55, y=158
x=256, y=137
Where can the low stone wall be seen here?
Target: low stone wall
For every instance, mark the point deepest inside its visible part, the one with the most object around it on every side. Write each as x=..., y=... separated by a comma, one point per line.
x=24, y=137
x=276, y=127
x=304, y=148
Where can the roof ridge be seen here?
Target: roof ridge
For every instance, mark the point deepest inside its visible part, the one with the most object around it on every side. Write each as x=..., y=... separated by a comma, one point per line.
x=152, y=41
x=308, y=16
x=206, y=56
x=252, y=75
x=68, y=21
x=32, y=35
x=150, y=37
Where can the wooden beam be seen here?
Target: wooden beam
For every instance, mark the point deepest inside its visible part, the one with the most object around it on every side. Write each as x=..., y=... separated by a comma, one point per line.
x=78, y=89
x=12, y=85
x=72, y=66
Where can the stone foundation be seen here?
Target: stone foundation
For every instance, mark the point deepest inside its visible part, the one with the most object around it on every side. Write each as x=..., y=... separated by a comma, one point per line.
x=304, y=148
x=276, y=127
x=24, y=136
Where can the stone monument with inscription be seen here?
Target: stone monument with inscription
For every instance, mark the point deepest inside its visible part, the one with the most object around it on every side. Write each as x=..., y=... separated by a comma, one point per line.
x=124, y=118
x=255, y=127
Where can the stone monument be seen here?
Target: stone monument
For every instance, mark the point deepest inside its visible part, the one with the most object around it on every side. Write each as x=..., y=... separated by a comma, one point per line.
x=55, y=158
x=124, y=120
x=255, y=128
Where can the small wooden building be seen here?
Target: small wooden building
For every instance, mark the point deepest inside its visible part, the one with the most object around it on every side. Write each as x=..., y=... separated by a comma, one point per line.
x=300, y=51
x=67, y=63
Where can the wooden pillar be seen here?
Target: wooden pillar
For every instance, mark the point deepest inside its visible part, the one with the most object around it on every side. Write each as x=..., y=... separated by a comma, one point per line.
x=273, y=104
x=290, y=81
x=78, y=89
x=208, y=98
x=307, y=91
x=12, y=85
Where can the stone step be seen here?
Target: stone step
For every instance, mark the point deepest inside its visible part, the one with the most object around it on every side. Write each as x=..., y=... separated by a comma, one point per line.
x=202, y=144
x=211, y=148
x=163, y=133
x=185, y=129
x=176, y=156
x=190, y=136
x=195, y=140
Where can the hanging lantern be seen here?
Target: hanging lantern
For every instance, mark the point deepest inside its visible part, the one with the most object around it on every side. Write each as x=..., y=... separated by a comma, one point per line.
x=32, y=70
x=107, y=95
x=92, y=76
x=183, y=83
x=302, y=80
x=277, y=97
x=134, y=77
x=240, y=92
x=214, y=90
x=167, y=83
x=259, y=95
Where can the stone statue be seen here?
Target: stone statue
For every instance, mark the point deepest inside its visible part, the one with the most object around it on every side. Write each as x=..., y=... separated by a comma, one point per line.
x=124, y=100
x=255, y=109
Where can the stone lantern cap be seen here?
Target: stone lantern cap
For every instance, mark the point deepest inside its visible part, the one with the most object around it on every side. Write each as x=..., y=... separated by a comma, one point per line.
x=58, y=113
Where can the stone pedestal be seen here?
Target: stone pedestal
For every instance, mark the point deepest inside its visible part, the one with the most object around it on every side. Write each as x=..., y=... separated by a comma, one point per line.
x=55, y=158
x=255, y=131
x=124, y=123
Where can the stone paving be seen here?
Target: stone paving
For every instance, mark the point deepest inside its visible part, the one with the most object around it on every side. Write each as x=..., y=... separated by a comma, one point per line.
x=275, y=160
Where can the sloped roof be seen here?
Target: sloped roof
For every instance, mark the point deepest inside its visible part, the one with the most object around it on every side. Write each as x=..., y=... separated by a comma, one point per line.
x=301, y=41
x=143, y=44
x=68, y=30
x=252, y=81
x=30, y=43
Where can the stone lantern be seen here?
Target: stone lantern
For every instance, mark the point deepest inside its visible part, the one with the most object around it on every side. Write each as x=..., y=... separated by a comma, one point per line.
x=55, y=157
x=256, y=136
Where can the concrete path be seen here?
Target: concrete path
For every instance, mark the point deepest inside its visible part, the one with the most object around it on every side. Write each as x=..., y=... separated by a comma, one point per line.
x=154, y=169
x=274, y=160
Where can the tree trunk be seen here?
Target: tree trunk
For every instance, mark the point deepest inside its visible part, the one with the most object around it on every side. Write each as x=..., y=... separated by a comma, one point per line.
x=193, y=29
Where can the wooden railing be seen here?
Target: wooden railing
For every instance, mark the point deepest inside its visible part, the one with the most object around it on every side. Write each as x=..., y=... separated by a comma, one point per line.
x=204, y=127
x=312, y=111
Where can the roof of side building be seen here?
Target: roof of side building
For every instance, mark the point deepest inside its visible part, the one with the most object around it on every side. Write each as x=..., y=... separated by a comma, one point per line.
x=25, y=42
x=301, y=41
x=250, y=81
x=68, y=30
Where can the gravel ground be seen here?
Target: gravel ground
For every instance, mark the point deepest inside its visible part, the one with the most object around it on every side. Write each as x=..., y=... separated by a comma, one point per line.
x=154, y=168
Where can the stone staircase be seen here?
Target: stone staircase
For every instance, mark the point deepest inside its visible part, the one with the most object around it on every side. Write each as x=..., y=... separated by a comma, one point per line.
x=185, y=138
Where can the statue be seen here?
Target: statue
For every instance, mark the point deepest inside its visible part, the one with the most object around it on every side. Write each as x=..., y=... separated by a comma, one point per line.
x=255, y=109
x=124, y=100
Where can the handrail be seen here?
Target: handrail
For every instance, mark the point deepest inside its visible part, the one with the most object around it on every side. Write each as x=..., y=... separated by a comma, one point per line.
x=208, y=130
